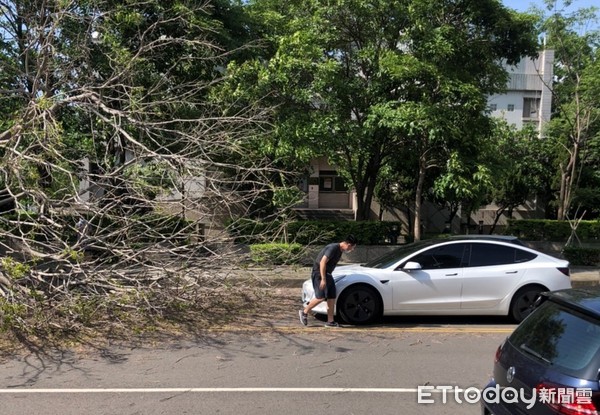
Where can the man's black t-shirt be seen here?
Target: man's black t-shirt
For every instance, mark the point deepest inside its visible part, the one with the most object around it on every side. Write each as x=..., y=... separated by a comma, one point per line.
x=333, y=252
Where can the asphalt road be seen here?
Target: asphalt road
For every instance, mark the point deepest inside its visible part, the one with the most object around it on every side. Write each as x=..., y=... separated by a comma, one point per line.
x=272, y=366
x=286, y=369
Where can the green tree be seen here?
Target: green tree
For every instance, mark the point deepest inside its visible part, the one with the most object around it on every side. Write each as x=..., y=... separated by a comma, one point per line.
x=587, y=195
x=464, y=184
x=446, y=72
x=576, y=95
x=521, y=168
x=366, y=82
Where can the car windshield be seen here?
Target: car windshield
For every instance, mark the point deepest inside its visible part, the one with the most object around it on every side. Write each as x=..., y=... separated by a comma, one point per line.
x=396, y=255
x=554, y=335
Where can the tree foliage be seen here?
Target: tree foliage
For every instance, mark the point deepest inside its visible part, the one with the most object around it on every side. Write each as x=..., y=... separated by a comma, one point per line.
x=521, y=168
x=114, y=159
x=365, y=83
x=576, y=119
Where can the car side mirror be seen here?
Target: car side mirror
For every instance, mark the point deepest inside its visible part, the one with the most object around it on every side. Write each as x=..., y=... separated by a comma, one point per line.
x=411, y=266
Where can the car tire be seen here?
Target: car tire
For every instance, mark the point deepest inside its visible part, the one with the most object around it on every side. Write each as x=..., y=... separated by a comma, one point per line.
x=359, y=304
x=523, y=301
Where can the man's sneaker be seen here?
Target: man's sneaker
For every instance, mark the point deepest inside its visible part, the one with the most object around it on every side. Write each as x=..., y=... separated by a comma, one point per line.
x=303, y=317
x=331, y=324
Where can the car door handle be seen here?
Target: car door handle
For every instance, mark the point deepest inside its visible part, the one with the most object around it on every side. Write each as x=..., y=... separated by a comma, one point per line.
x=512, y=272
x=452, y=275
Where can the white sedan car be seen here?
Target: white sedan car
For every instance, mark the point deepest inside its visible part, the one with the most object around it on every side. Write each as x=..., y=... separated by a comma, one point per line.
x=454, y=277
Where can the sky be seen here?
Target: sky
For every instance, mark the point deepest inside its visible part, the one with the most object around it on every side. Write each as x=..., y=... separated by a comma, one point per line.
x=523, y=5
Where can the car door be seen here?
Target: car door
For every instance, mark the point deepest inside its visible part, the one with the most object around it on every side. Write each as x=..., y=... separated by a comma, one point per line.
x=434, y=287
x=492, y=272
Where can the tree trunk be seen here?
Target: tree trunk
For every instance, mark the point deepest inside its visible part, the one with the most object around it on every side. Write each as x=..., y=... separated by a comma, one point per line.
x=567, y=178
x=363, y=211
x=562, y=196
x=365, y=190
x=499, y=213
x=418, y=200
x=360, y=203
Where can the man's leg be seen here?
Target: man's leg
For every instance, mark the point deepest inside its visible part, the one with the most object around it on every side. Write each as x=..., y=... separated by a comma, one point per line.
x=303, y=314
x=312, y=304
x=330, y=307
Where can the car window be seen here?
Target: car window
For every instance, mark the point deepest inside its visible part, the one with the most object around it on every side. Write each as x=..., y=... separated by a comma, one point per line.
x=523, y=256
x=484, y=254
x=561, y=337
x=446, y=256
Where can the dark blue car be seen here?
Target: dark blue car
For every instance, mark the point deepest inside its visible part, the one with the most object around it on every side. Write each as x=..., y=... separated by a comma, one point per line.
x=550, y=364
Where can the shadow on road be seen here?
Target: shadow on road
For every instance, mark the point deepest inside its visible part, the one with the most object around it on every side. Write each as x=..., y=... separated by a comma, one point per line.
x=446, y=320
x=436, y=321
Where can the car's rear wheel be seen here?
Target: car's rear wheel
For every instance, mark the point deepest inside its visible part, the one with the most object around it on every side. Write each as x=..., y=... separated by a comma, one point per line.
x=359, y=304
x=523, y=301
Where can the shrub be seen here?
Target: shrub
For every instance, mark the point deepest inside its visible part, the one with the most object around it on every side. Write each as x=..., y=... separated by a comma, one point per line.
x=552, y=230
x=312, y=232
x=582, y=256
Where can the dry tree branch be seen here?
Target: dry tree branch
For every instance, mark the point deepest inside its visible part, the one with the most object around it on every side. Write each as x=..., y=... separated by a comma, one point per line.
x=118, y=171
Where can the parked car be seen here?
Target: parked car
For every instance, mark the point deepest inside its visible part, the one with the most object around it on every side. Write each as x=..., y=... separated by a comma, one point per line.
x=551, y=361
x=451, y=277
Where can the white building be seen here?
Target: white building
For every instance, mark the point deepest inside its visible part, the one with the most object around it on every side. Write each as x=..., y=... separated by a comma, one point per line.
x=528, y=98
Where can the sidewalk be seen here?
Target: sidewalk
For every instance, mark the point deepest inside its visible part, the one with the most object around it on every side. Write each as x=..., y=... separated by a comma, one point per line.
x=294, y=276
x=585, y=276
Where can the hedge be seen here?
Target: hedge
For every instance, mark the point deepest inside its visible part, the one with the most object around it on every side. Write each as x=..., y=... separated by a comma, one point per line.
x=249, y=231
x=552, y=230
x=582, y=256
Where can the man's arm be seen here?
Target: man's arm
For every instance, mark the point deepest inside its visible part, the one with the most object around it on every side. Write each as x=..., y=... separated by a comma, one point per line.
x=323, y=268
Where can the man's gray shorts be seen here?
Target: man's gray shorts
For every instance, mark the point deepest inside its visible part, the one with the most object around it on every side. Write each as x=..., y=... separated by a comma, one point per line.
x=329, y=292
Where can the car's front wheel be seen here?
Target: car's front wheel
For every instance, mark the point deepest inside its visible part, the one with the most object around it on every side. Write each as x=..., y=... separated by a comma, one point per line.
x=359, y=304
x=523, y=301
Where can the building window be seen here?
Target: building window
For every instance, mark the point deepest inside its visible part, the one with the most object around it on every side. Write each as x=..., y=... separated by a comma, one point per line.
x=510, y=107
x=329, y=181
x=531, y=107
x=493, y=107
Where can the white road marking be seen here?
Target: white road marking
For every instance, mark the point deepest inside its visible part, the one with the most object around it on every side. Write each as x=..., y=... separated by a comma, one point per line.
x=212, y=390
x=346, y=329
